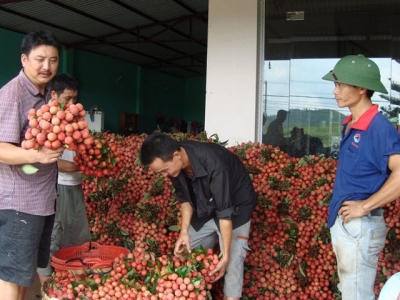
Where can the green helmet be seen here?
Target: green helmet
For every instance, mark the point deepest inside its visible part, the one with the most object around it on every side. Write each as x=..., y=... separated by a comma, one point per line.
x=359, y=71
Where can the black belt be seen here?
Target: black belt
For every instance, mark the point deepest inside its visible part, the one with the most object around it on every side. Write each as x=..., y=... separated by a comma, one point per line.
x=376, y=212
x=373, y=213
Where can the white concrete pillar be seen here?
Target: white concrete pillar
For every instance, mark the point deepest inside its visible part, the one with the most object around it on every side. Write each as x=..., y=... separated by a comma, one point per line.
x=233, y=69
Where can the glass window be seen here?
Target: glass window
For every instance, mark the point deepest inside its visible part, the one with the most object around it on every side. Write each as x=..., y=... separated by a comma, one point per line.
x=303, y=41
x=300, y=114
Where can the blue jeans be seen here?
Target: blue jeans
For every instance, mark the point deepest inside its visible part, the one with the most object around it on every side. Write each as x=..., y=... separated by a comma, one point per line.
x=357, y=245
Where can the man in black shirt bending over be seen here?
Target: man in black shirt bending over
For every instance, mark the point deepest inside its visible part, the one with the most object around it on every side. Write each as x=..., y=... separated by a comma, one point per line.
x=216, y=196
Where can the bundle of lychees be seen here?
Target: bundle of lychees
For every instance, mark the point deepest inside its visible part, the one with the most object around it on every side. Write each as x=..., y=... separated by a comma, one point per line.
x=56, y=125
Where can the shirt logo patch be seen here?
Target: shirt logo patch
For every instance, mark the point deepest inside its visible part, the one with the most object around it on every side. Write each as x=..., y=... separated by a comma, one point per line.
x=357, y=137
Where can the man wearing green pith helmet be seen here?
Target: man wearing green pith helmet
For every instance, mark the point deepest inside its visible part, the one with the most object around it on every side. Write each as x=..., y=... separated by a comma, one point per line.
x=367, y=177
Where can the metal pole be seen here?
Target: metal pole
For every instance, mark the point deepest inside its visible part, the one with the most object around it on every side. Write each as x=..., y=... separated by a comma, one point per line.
x=265, y=101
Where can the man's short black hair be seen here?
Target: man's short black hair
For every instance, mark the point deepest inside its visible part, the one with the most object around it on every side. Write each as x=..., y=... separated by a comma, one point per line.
x=281, y=113
x=158, y=145
x=63, y=81
x=38, y=38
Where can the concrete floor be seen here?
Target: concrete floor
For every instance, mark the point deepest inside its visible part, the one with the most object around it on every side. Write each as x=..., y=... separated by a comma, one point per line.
x=33, y=293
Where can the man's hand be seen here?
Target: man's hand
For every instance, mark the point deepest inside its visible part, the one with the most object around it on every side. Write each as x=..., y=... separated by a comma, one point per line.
x=47, y=156
x=11, y=154
x=182, y=242
x=220, y=269
x=352, y=209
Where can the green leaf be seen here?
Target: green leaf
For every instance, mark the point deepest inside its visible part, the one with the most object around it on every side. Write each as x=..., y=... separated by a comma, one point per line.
x=124, y=232
x=104, y=150
x=138, y=162
x=302, y=162
x=131, y=274
x=159, y=182
x=147, y=279
x=131, y=282
x=152, y=256
x=197, y=281
x=183, y=271
x=128, y=244
x=301, y=270
x=169, y=268
x=391, y=233
x=29, y=169
x=199, y=250
x=174, y=228
x=104, y=278
x=90, y=280
x=288, y=220
x=94, y=286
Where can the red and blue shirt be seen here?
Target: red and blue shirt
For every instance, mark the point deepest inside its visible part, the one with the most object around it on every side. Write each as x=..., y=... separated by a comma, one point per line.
x=363, y=159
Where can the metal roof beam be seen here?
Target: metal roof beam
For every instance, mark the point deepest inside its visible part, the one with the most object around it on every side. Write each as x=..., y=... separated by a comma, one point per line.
x=87, y=36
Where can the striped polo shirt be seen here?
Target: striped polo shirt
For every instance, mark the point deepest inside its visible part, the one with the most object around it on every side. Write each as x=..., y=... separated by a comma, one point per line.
x=34, y=194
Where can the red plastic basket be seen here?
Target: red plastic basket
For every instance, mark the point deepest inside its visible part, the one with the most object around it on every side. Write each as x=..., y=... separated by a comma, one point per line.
x=87, y=256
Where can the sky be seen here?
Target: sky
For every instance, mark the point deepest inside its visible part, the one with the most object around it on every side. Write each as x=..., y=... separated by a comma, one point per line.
x=298, y=84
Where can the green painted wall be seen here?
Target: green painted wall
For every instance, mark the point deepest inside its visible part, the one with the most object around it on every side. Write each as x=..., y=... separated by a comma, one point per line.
x=195, y=95
x=162, y=94
x=108, y=83
x=173, y=98
x=10, y=55
x=118, y=86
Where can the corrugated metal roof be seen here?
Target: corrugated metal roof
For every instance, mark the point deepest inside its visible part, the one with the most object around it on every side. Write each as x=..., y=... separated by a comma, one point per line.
x=171, y=35
x=152, y=33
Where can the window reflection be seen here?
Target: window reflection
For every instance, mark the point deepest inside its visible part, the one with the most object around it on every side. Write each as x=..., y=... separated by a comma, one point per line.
x=391, y=107
x=312, y=124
